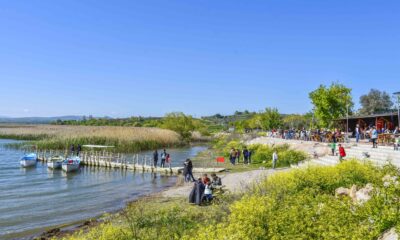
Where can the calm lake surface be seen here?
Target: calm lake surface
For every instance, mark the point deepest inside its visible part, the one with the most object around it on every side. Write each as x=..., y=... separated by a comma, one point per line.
x=35, y=198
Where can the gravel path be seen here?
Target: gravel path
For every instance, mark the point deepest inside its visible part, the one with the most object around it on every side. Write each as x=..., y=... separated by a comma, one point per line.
x=234, y=182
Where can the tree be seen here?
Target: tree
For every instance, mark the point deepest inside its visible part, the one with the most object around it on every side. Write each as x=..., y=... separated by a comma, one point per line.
x=375, y=102
x=331, y=103
x=270, y=119
x=183, y=124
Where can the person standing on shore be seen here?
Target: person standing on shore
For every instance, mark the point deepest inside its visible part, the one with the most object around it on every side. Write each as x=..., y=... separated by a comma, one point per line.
x=189, y=170
x=163, y=157
x=274, y=159
x=168, y=160
x=232, y=156
x=245, y=155
x=78, y=150
x=72, y=149
x=155, y=158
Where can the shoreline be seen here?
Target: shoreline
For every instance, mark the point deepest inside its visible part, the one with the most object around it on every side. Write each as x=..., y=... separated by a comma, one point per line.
x=72, y=227
x=234, y=182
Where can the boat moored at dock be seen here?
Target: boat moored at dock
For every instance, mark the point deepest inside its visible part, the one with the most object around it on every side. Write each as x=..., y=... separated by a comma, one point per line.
x=28, y=160
x=55, y=162
x=71, y=164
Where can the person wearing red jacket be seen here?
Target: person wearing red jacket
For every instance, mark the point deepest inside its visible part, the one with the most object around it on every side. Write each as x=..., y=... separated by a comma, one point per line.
x=342, y=153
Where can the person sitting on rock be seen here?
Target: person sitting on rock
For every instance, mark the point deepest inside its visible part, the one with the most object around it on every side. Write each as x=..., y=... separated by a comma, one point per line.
x=205, y=179
x=207, y=193
x=215, y=181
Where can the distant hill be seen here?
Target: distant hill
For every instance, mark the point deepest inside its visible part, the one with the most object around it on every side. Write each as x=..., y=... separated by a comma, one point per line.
x=38, y=120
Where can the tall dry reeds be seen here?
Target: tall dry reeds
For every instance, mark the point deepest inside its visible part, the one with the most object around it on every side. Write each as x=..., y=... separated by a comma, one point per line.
x=128, y=139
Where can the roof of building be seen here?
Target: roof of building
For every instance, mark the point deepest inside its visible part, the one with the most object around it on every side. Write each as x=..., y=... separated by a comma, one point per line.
x=370, y=116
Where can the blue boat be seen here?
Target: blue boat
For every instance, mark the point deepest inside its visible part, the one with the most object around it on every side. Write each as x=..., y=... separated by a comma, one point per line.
x=28, y=160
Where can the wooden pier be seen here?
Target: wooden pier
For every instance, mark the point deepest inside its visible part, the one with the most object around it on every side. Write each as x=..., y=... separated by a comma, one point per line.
x=140, y=163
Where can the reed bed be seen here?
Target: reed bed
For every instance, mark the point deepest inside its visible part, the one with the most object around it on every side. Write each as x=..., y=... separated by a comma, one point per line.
x=126, y=139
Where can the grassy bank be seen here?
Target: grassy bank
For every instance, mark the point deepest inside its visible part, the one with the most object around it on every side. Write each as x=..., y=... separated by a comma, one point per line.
x=125, y=139
x=299, y=204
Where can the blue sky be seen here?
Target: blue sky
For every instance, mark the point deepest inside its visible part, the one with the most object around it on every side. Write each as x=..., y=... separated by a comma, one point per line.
x=122, y=58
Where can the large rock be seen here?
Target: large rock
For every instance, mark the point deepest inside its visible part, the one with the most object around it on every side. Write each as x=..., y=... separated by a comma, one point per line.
x=359, y=197
x=342, y=192
x=363, y=195
x=390, y=235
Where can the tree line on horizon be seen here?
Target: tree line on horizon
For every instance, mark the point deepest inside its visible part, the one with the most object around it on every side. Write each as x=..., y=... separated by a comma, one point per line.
x=329, y=103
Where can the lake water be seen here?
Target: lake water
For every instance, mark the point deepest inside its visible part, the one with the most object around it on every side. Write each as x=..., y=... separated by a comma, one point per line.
x=35, y=198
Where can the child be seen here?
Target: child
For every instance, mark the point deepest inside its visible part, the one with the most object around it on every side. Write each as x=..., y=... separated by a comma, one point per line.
x=208, y=193
x=342, y=153
x=168, y=160
x=333, y=148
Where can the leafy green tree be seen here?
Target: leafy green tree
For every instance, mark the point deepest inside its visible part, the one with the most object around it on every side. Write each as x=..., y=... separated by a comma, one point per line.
x=183, y=124
x=375, y=102
x=331, y=103
x=270, y=119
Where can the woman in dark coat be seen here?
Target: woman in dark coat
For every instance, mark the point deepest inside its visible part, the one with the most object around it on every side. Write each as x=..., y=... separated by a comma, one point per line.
x=196, y=195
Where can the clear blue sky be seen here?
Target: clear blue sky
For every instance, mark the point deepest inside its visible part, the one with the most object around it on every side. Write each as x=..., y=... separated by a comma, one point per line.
x=122, y=58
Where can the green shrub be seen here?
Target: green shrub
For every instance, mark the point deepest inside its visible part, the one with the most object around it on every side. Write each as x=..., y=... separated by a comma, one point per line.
x=301, y=205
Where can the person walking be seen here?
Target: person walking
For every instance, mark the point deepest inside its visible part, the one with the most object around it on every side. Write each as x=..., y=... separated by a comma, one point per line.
x=342, y=153
x=374, y=137
x=189, y=174
x=245, y=155
x=155, y=158
x=274, y=159
x=78, y=150
x=163, y=157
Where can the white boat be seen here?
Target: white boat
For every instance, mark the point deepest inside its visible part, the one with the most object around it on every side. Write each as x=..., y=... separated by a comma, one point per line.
x=28, y=160
x=71, y=164
x=55, y=162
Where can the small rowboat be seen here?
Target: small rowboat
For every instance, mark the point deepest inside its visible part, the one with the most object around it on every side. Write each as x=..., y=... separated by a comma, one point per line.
x=55, y=162
x=28, y=160
x=71, y=164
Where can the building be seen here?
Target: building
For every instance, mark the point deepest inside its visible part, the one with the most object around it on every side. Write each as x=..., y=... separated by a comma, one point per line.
x=381, y=121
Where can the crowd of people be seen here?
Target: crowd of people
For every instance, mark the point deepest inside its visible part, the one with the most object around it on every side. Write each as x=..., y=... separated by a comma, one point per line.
x=165, y=158
x=236, y=154
x=336, y=135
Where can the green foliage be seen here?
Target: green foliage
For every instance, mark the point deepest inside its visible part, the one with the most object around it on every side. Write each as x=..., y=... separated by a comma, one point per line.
x=301, y=205
x=375, y=102
x=262, y=154
x=183, y=124
x=267, y=120
x=155, y=219
x=297, y=121
x=331, y=103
